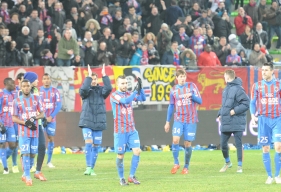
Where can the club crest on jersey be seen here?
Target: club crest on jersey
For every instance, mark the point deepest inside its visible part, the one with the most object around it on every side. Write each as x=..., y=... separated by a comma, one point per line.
x=276, y=89
x=34, y=102
x=52, y=94
x=119, y=148
x=5, y=109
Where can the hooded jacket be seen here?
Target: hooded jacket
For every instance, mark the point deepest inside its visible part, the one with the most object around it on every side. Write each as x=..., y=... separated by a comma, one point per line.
x=189, y=63
x=234, y=43
x=234, y=97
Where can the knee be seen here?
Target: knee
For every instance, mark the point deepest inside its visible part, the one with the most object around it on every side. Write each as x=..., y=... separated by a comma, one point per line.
x=187, y=143
x=12, y=146
x=137, y=151
x=176, y=140
x=32, y=155
x=277, y=147
x=120, y=156
x=266, y=149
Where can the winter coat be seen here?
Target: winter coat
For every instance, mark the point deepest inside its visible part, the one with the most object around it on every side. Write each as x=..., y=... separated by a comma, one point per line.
x=173, y=13
x=13, y=58
x=208, y=59
x=184, y=42
x=93, y=113
x=115, y=27
x=253, y=12
x=47, y=62
x=2, y=51
x=164, y=41
x=240, y=26
x=96, y=35
x=89, y=10
x=39, y=48
x=204, y=22
x=136, y=59
x=249, y=44
x=34, y=25
x=188, y=63
x=156, y=59
x=222, y=54
x=58, y=19
x=26, y=58
x=125, y=50
x=14, y=29
x=195, y=14
x=104, y=57
x=156, y=22
x=233, y=58
x=168, y=58
x=234, y=43
x=222, y=27
x=271, y=15
x=64, y=45
x=90, y=57
x=25, y=39
x=255, y=61
x=234, y=97
x=264, y=37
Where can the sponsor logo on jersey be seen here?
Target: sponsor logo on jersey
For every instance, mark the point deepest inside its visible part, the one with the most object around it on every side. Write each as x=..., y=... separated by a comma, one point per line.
x=52, y=94
x=270, y=101
x=269, y=94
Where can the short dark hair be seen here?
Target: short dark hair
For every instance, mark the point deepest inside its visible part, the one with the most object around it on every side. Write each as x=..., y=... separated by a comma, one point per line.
x=20, y=76
x=94, y=74
x=25, y=81
x=66, y=21
x=131, y=6
x=46, y=74
x=121, y=77
x=173, y=2
x=6, y=80
x=174, y=42
x=270, y=64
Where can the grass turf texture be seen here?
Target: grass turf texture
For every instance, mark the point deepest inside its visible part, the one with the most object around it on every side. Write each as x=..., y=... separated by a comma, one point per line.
x=153, y=173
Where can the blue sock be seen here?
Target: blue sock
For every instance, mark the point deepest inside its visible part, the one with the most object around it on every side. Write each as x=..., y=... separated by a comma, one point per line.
x=31, y=162
x=240, y=163
x=227, y=160
x=3, y=157
x=26, y=166
x=94, y=156
x=50, y=151
x=15, y=156
x=120, y=167
x=88, y=147
x=267, y=163
x=9, y=152
x=175, y=149
x=277, y=160
x=134, y=165
x=188, y=152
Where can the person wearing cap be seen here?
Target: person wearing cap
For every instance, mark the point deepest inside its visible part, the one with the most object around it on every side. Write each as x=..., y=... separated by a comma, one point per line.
x=257, y=58
x=33, y=78
x=204, y=21
x=26, y=56
x=234, y=43
x=90, y=57
x=25, y=38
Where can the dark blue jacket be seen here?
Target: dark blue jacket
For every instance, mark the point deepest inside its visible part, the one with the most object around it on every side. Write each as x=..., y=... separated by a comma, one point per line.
x=234, y=97
x=173, y=13
x=93, y=113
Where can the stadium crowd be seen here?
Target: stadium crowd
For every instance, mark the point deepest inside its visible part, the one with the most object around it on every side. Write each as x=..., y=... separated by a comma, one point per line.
x=137, y=32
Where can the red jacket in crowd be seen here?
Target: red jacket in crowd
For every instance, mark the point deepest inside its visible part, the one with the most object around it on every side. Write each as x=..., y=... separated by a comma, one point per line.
x=240, y=26
x=208, y=59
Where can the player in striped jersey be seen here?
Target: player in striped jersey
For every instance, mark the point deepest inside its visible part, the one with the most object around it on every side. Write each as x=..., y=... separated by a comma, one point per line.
x=125, y=134
x=265, y=109
x=25, y=108
x=7, y=96
x=184, y=97
x=52, y=103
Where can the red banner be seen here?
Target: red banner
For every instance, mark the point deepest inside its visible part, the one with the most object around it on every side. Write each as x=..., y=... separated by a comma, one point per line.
x=81, y=74
x=210, y=82
x=14, y=71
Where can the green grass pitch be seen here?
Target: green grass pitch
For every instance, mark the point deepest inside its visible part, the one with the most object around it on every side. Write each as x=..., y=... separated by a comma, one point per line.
x=153, y=173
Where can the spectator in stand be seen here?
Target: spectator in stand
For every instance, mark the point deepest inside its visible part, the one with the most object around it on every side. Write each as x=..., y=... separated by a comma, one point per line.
x=4, y=13
x=81, y=52
x=248, y=39
x=195, y=12
x=68, y=4
x=124, y=50
x=189, y=26
x=34, y=23
x=211, y=39
x=222, y=50
x=126, y=5
x=171, y=56
x=40, y=43
x=90, y=55
x=78, y=23
x=155, y=20
x=93, y=26
x=237, y=4
x=173, y=13
x=208, y=58
x=185, y=6
x=114, y=7
x=140, y=57
x=105, y=19
x=126, y=27
x=150, y=37
x=13, y=57
x=104, y=56
x=204, y=21
x=136, y=39
x=214, y=4
x=257, y=58
x=263, y=36
x=244, y=59
x=164, y=38
x=222, y=25
x=181, y=37
x=25, y=38
x=89, y=8
x=55, y=44
x=68, y=25
x=42, y=11
x=109, y=40
x=58, y=16
x=153, y=55
x=135, y=19
x=88, y=37
x=188, y=59
x=197, y=42
x=117, y=22
x=47, y=58
x=234, y=43
x=233, y=59
x=252, y=10
x=49, y=28
x=262, y=10
x=14, y=26
x=67, y=48
x=221, y=9
x=21, y=10
x=2, y=47
x=26, y=56
x=241, y=21
x=273, y=24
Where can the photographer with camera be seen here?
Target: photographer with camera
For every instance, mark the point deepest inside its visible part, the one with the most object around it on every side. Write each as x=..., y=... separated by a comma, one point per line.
x=241, y=21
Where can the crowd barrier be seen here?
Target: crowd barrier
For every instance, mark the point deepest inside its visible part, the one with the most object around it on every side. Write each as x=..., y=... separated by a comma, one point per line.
x=157, y=82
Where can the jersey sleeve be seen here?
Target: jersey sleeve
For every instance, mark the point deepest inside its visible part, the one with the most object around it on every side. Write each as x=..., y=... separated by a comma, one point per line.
x=40, y=106
x=172, y=98
x=254, y=96
x=14, y=111
x=57, y=94
x=115, y=98
x=1, y=100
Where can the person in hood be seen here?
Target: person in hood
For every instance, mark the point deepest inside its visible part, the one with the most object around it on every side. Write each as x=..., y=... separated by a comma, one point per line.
x=26, y=56
x=234, y=43
x=25, y=38
x=188, y=59
x=233, y=59
x=257, y=58
x=232, y=116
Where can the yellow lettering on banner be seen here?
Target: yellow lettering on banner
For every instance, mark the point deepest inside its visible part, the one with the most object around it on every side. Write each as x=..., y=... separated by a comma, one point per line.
x=160, y=92
x=165, y=74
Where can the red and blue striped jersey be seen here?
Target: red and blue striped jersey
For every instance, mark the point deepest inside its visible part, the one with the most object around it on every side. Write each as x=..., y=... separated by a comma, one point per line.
x=197, y=44
x=26, y=108
x=6, y=104
x=265, y=98
x=186, y=111
x=50, y=97
x=122, y=113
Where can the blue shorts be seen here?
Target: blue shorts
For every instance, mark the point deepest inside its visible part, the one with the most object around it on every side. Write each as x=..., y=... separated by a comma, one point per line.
x=269, y=130
x=51, y=128
x=187, y=129
x=11, y=135
x=123, y=140
x=28, y=145
x=96, y=136
x=3, y=138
